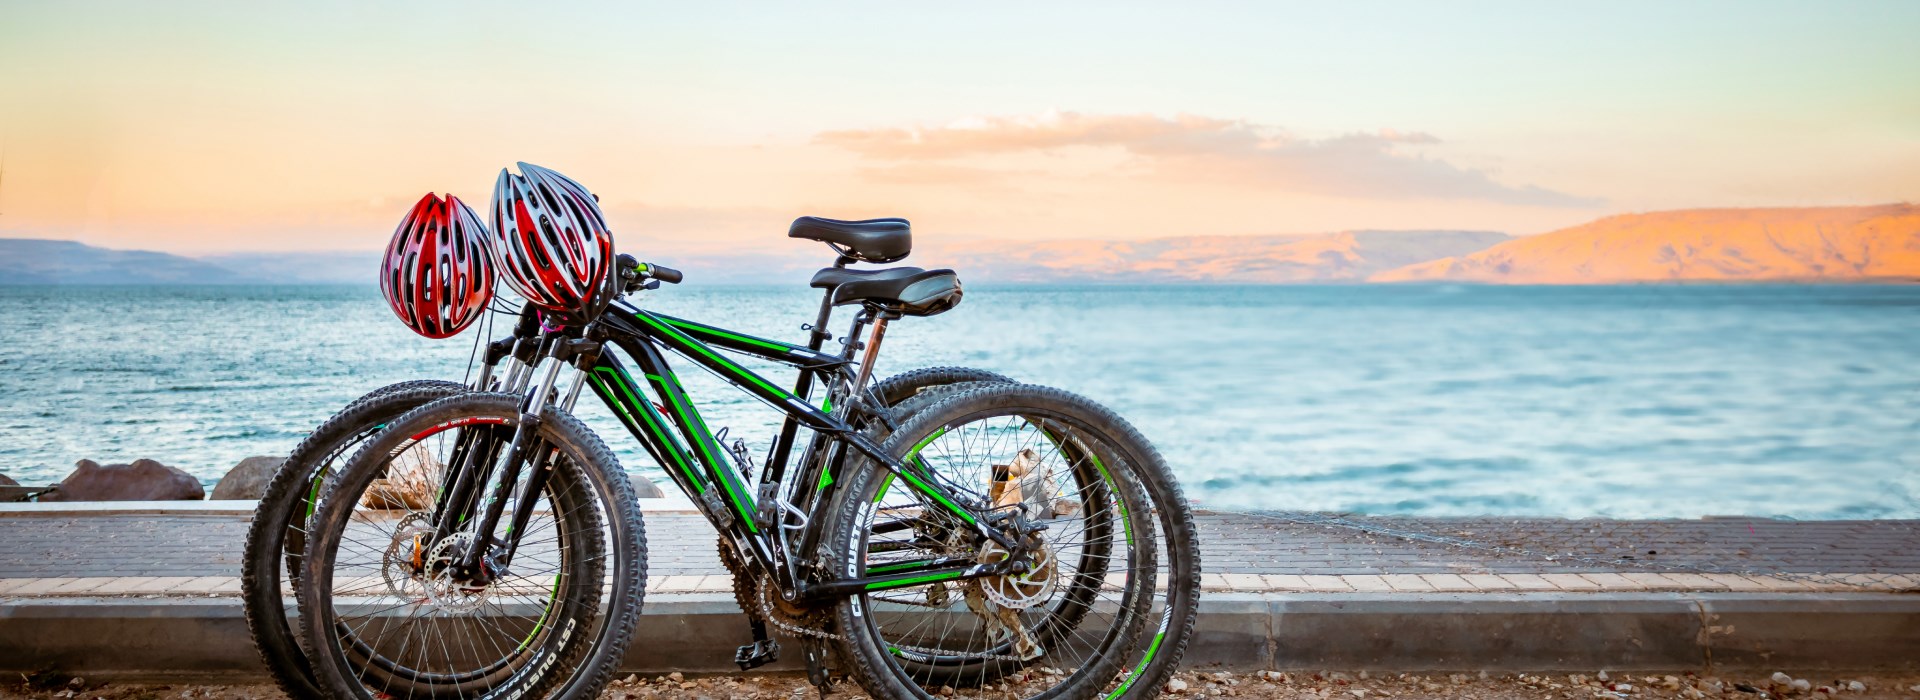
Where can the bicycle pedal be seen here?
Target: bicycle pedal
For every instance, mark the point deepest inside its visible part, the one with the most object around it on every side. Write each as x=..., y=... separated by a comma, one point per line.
x=757, y=654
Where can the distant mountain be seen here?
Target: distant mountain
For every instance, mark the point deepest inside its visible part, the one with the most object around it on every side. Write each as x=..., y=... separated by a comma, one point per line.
x=1811, y=244
x=41, y=262
x=1347, y=256
x=351, y=267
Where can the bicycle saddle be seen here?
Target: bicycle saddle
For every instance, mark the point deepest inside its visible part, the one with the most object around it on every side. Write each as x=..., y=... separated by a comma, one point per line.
x=909, y=290
x=871, y=240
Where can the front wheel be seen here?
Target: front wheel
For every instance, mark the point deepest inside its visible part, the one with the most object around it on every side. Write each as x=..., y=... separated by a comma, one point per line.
x=1066, y=467
x=278, y=534
x=389, y=610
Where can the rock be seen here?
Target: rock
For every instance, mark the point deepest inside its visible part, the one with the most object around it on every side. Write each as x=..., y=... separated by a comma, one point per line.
x=143, y=480
x=1856, y=687
x=1782, y=678
x=644, y=487
x=676, y=677
x=412, y=479
x=247, y=481
x=1602, y=676
x=1801, y=685
x=1624, y=687
x=7, y=481
x=1176, y=685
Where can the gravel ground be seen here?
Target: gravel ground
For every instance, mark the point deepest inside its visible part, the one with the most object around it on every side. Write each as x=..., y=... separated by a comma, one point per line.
x=1262, y=685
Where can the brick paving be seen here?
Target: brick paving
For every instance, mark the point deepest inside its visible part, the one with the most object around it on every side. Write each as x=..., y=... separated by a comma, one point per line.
x=135, y=555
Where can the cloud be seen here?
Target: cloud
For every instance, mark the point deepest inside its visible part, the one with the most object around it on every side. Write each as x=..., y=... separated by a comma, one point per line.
x=1365, y=165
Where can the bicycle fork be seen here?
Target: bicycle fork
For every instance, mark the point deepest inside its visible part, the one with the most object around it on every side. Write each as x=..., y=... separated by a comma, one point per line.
x=480, y=464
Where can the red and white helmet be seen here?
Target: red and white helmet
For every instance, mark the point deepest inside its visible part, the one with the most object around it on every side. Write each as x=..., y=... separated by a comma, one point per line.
x=551, y=241
x=438, y=272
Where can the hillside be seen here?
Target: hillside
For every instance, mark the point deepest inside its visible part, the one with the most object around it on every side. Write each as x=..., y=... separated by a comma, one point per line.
x=1348, y=256
x=38, y=261
x=352, y=267
x=1827, y=244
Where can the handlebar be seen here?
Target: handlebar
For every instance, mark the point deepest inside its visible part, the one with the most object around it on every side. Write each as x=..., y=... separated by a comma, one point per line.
x=661, y=272
x=634, y=274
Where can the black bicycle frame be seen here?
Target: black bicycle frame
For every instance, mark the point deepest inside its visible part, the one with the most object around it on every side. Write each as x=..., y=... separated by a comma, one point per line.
x=705, y=472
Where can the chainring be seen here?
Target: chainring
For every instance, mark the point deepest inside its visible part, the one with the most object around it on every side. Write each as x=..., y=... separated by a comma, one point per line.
x=756, y=596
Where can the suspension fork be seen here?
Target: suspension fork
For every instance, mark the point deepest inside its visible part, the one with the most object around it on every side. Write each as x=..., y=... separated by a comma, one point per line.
x=472, y=459
x=526, y=442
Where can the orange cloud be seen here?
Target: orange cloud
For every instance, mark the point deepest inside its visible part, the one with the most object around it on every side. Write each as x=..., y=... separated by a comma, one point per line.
x=1361, y=165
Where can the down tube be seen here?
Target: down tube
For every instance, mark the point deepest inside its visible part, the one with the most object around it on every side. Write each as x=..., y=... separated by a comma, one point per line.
x=694, y=429
x=623, y=397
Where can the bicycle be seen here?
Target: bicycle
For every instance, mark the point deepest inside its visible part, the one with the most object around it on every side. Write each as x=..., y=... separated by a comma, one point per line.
x=276, y=536
x=832, y=551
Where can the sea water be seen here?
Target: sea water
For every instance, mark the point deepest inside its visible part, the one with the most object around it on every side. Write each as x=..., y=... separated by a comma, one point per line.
x=1629, y=401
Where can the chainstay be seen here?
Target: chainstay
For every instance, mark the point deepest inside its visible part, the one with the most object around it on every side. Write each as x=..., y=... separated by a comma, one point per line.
x=766, y=613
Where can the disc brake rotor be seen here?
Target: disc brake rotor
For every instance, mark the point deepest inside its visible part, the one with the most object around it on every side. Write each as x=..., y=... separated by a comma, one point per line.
x=443, y=590
x=405, y=557
x=1020, y=591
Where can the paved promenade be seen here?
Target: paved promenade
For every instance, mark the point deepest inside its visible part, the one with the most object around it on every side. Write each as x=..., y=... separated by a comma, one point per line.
x=199, y=555
x=150, y=591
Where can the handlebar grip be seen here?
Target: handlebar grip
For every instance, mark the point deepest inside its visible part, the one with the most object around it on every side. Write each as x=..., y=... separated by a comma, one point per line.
x=663, y=273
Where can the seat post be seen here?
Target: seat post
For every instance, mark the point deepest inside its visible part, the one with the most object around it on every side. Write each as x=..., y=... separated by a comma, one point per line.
x=820, y=333
x=872, y=354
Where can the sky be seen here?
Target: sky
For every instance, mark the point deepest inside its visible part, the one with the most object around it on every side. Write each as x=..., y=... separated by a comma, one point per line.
x=204, y=127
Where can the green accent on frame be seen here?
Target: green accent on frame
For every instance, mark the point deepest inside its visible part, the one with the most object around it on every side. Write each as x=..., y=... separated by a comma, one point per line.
x=710, y=330
x=929, y=578
x=653, y=423
x=722, y=472
x=922, y=486
x=729, y=365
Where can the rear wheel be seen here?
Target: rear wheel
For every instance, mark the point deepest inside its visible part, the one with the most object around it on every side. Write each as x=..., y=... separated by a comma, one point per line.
x=1061, y=630
x=278, y=533
x=387, y=612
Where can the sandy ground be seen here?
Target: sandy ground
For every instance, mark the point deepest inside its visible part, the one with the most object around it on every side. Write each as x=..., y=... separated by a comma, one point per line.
x=1261, y=685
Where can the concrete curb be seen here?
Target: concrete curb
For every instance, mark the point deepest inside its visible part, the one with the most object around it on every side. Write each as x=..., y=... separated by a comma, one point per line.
x=1507, y=632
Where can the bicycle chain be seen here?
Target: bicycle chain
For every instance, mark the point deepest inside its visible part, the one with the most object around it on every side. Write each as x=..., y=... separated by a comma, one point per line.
x=767, y=613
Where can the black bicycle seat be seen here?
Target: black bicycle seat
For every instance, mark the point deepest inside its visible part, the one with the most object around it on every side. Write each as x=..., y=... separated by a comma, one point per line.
x=871, y=240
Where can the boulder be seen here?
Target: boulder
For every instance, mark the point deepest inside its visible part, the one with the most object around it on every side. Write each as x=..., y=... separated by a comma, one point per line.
x=6, y=481
x=644, y=487
x=410, y=483
x=247, y=481
x=143, y=480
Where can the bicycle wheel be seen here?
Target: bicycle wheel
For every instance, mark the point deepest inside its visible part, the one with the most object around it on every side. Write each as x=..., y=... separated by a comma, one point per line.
x=904, y=394
x=278, y=531
x=1059, y=461
x=384, y=613
x=906, y=385
x=1154, y=658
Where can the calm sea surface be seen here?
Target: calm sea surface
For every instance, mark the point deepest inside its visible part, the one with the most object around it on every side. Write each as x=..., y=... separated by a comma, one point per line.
x=1644, y=401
